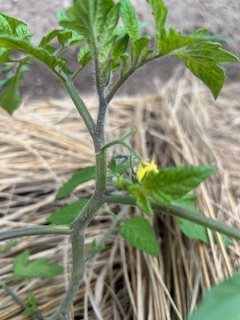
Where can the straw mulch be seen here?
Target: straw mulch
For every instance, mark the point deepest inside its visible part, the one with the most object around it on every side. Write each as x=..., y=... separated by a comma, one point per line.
x=44, y=142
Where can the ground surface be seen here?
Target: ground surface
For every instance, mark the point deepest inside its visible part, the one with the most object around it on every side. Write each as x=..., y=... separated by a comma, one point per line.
x=221, y=17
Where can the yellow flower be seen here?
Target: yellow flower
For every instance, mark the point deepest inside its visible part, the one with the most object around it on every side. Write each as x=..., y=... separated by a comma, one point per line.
x=144, y=168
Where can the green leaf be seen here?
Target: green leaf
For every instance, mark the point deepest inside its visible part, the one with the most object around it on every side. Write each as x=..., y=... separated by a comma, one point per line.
x=84, y=55
x=128, y=14
x=173, y=183
x=137, y=48
x=48, y=38
x=221, y=302
x=202, y=59
x=39, y=268
x=32, y=301
x=142, y=200
x=191, y=229
x=160, y=15
x=139, y=232
x=7, y=69
x=5, y=55
x=14, y=27
x=87, y=18
x=10, y=99
x=171, y=40
x=80, y=176
x=67, y=214
x=40, y=54
x=106, y=40
x=199, y=54
x=120, y=47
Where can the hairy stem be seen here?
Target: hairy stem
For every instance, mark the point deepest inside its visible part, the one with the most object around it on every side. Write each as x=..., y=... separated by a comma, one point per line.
x=32, y=231
x=78, y=268
x=36, y=315
x=80, y=105
x=182, y=213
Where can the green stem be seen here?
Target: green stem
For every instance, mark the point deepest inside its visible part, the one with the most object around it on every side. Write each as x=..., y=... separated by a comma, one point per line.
x=80, y=105
x=181, y=213
x=78, y=268
x=123, y=143
x=32, y=231
x=35, y=315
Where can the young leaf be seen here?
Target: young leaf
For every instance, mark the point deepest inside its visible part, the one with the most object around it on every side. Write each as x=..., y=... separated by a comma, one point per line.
x=191, y=229
x=87, y=18
x=39, y=268
x=120, y=47
x=5, y=55
x=84, y=55
x=221, y=302
x=32, y=301
x=130, y=21
x=80, y=176
x=67, y=214
x=160, y=15
x=173, y=183
x=106, y=40
x=13, y=27
x=48, y=38
x=139, y=232
x=137, y=47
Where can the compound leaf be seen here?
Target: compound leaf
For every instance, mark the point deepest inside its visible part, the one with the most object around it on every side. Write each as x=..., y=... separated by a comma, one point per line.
x=39, y=268
x=139, y=232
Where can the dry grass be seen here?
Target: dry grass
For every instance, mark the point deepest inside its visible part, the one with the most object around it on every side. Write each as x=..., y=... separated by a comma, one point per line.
x=45, y=142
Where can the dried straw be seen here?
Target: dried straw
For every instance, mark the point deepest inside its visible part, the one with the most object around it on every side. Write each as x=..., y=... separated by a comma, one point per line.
x=44, y=142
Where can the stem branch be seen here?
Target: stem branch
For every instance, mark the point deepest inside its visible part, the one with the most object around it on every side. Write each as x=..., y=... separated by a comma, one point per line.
x=182, y=213
x=32, y=231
